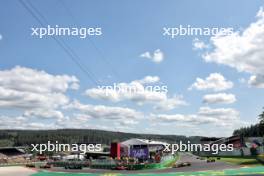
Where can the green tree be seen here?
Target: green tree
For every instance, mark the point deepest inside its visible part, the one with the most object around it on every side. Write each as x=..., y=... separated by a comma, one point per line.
x=261, y=117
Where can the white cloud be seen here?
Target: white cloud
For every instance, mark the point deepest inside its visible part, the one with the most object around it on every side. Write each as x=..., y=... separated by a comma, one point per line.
x=104, y=112
x=170, y=103
x=149, y=80
x=35, y=92
x=256, y=81
x=186, y=119
x=44, y=113
x=74, y=86
x=20, y=122
x=83, y=121
x=173, y=117
x=214, y=81
x=219, y=98
x=11, y=122
x=219, y=113
x=77, y=120
x=156, y=57
x=205, y=115
x=199, y=45
x=1, y=37
x=11, y=98
x=136, y=91
x=27, y=79
x=243, y=51
x=127, y=122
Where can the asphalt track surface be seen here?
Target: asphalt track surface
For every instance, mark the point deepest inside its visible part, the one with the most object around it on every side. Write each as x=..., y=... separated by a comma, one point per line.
x=196, y=165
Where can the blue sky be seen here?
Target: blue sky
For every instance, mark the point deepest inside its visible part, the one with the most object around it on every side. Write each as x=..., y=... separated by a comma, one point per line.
x=131, y=28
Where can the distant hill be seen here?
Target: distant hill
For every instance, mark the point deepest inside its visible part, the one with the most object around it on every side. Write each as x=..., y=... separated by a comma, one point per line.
x=69, y=136
x=9, y=138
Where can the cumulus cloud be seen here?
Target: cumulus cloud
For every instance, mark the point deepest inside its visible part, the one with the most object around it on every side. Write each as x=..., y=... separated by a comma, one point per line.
x=219, y=98
x=27, y=79
x=205, y=115
x=214, y=81
x=35, y=92
x=156, y=57
x=41, y=99
x=22, y=99
x=21, y=122
x=169, y=118
x=83, y=121
x=44, y=113
x=104, y=112
x=127, y=122
x=149, y=80
x=81, y=117
x=11, y=122
x=134, y=91
x=170, y=103
x=256, y=81
x=243, y=50
x=219, y=113
x=199, y=45
x=138, y=92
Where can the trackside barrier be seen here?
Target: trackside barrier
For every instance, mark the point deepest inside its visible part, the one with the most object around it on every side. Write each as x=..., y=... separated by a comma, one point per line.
x=110, y=164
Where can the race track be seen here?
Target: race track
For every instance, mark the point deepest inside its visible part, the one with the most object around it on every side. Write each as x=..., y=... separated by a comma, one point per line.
x=196, y=165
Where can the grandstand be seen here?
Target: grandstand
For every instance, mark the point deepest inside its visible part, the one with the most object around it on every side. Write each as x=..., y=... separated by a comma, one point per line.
x=12, y=155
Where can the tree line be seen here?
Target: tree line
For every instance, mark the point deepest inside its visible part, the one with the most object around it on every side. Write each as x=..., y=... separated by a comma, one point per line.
x=256, y=130
x=71, y=136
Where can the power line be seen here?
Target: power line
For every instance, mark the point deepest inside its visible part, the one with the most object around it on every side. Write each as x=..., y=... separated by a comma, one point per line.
x=68, y=50
x=102, y=56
